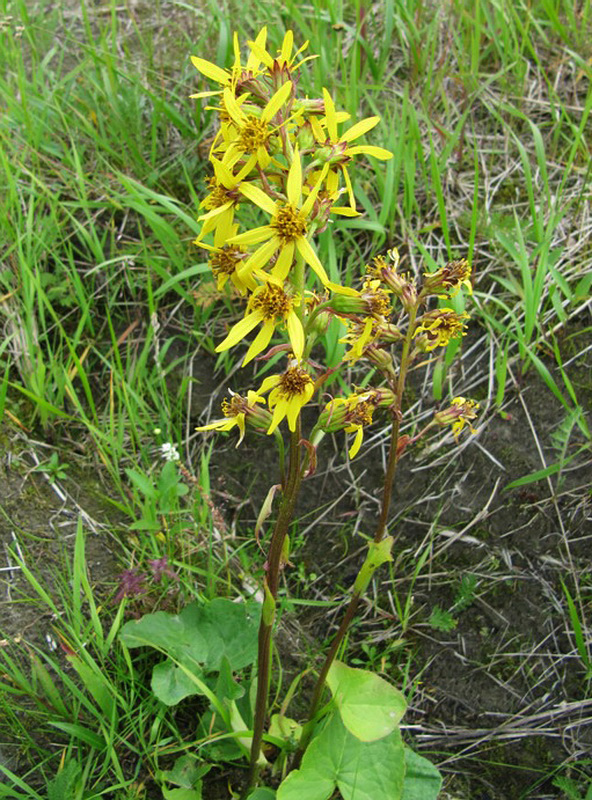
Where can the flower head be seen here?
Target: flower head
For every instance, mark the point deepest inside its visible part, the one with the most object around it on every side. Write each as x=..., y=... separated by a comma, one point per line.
x=438, y=327
x=252, y=132
x=352, y=414
x=235, y=77
x=238, y=411
x=287, y=231
x=268, y=304
x=449, y=279
x=460, y=413
x=401, y=285
x=336, y=150
x=290, y=392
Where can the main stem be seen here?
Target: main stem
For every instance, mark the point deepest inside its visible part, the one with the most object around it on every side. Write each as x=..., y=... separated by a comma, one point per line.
x=271, y=585
x=393, y=458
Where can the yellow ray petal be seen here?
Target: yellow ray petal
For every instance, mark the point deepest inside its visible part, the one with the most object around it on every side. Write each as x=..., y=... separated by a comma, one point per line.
x=215, y=211
x=261, y=53
x=200, y=95
x=330, y=117
x=276, y=102
x=259, y=258
x=307, y=252
x=287, y=45
x=242, y=328
x=345, y=211
x=296, y=334
x=353, y=450
x=260, y=341
x=218, y=425
x=359, y=129
x=254, y=236
x=282, y=266
x=268, y=383
x=258, y=196
x=254, y=60
x=370, y=150
x=309, y=202
x=295, y=179
x=232, y=107
x=279, y=412
x=211, y=71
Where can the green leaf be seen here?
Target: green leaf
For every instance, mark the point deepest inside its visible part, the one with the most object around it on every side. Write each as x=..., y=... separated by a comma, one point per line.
x=422, y=779
x=141, y=482
x=171, y=684
x=202, y=634
x=370, y=708
x=186, y=772
x=262, y=793
x=65, y=782
x=360, y=770
x=182, y=794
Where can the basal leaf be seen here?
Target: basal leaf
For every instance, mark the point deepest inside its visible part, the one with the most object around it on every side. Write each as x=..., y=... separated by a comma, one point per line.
x=171, y=684
x=422, y=779
x=360, y=770
x=370, y=707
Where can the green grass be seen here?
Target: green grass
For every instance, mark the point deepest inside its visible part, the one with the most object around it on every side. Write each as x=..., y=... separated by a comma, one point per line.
x=103, y=298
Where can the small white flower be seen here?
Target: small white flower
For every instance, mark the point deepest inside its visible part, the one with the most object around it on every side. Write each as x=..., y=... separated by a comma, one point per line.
x=169, y=452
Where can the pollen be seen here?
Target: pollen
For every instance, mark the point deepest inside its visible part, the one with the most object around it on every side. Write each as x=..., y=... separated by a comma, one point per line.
x=253, y=135
x=294, y=382
x=234, y=406
x=361, y=414
x=218, y=196
x=289, y=224
x=272, y=301
x=378, y=300
x=226, y=260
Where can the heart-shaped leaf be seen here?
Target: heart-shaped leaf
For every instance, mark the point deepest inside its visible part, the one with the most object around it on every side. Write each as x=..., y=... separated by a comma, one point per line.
x=369, y=706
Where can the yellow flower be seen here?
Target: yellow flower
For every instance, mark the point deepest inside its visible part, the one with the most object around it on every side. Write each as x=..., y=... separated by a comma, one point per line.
x=459, y=414
x=284, y=61
x=287, y=230
x=289, y=393
x=359, y=335
x=448, y=279
x=438, y=327
x=351, y=414
x=338, y=147
x=234, y=77
x=253, y=133
x=220, y=203
x=237, y=411
x=267, y=303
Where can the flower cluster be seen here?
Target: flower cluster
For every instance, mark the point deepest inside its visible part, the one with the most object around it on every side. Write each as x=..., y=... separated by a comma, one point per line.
x=288, y=158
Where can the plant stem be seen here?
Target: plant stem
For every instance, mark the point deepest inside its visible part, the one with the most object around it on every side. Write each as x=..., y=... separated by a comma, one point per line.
x=274, y=567
x=352, y=607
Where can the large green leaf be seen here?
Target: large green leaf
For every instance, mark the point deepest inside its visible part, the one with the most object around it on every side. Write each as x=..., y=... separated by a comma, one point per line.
x=422, y=779
x=360, y=770
x=200, y=634
x=370, y=707
x=171, y=684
